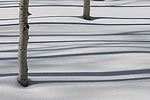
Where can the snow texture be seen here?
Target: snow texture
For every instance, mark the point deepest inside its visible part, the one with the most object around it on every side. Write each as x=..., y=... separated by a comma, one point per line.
x=69, y=58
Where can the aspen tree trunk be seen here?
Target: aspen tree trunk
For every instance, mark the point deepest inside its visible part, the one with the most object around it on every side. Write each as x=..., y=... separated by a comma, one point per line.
x=86, y=10
x=23, y=42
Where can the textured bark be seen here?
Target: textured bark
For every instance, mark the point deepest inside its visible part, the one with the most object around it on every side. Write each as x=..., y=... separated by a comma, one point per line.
x=86, y=10
x=23, y=42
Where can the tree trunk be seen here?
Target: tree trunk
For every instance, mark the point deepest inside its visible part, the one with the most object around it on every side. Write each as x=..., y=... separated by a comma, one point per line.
x=86, y=10
x=23, y=42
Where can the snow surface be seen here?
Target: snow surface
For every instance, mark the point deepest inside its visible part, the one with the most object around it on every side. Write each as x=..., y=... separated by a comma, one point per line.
x=69, y=58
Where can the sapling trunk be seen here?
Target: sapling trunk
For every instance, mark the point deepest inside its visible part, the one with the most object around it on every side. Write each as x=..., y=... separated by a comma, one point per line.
x=86, y=10
x=23, y=42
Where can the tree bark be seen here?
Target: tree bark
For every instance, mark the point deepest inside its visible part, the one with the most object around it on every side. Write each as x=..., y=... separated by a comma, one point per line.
x=86, y=10
x=23, y=42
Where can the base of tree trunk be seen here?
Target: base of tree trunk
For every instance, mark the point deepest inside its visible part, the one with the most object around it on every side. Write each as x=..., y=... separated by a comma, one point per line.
x=25, y=84
x=87, y=18
x=98, y=0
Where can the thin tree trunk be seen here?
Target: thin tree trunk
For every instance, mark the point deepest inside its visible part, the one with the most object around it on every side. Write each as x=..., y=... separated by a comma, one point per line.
x=23, y=42
x=86, y=10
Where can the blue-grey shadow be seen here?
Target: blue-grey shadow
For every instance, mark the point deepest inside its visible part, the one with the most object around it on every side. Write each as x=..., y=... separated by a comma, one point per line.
x=119, y=18
x=37, y=17
x=127, y=33
x=111, y=73
x=92, y=18
x=85, y=74
x=48, y=5
x=79, y=55
x=31, y=82
x=84, y=41
x=80, y=23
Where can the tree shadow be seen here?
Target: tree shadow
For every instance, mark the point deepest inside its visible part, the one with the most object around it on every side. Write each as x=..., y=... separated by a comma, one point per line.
x=37, y=17
x=84, y=41
x=31, y=82
x=79, y=55
x=127, y=33
x=85, y=74
x=117, y=18
x=124, y=3
x=91, y=18
x=111, y=73
x=81, y=6
x=9, y=3
x=79, y=23
x=69, y=48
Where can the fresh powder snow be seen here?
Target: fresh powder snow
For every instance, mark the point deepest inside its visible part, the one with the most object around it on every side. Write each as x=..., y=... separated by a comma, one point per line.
x=69, y=58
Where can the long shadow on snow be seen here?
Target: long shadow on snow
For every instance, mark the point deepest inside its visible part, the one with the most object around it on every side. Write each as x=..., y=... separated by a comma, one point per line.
x=31, y=82
x=92, y=18
x=72, y=5
x=117, y=18
x=76, y=23
x=112, y=73
x=74, y=47
x=60, y=74
x=135, y=33
x=85, y=41
x=4, y=19
x=78, y=6
x=80, y=55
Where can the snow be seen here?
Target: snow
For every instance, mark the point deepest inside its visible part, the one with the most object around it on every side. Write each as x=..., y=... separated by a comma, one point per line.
x=70, y=58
